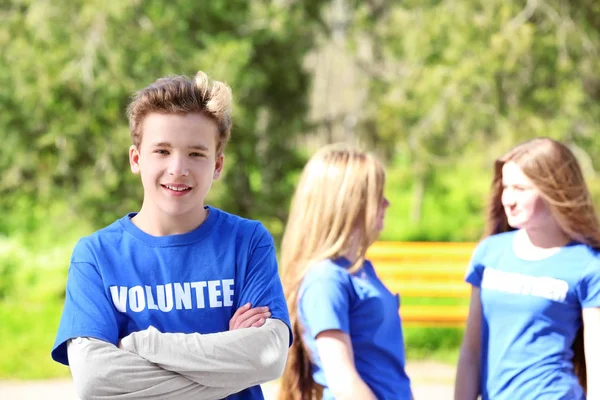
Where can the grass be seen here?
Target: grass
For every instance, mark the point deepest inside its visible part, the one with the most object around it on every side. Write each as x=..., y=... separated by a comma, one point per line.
x=432, y=343
x=30, y=313
x=28, y=329
x=29, y=317
x=27, y=333
x=30, y=308
x=439, y=344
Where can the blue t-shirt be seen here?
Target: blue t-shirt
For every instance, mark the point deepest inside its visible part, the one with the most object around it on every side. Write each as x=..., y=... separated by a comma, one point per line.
x=531, y=314
x=123, y=280
x=361, y=306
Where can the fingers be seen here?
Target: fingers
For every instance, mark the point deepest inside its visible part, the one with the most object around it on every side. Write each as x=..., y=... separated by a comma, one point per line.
x=259, y=323
x=256, y=321
x=236, y=315
x=245, y=317
x=252, y=316
x=241, y=310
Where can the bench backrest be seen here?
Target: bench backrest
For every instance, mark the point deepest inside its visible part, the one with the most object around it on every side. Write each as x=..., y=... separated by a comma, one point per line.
x=429, y=278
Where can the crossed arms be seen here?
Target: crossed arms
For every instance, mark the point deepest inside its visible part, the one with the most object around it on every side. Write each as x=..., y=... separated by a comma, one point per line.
x=152, y=365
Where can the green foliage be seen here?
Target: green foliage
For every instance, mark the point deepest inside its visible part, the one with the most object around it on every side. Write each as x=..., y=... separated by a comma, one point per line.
x=449, y=87
x=455, y=83
x=31, y=300
x=452, y=207
x=9, y=264
x=70, y=67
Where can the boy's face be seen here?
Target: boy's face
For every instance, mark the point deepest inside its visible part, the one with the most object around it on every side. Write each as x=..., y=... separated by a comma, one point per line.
x=177, y=162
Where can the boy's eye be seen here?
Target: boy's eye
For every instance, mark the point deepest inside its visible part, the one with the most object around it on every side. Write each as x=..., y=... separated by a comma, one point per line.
x=196, y=154
x=161, y=151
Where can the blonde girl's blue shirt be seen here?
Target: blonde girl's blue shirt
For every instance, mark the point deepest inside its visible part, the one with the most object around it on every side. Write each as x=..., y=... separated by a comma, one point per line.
x=358, y=304
x=531, y=313
x=122, y=280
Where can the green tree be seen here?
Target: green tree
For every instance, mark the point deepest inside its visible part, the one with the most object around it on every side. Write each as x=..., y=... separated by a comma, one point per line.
x=456, y=83
x=70, y=67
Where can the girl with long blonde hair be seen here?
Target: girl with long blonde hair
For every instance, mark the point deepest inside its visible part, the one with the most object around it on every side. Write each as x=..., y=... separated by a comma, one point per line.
x=535, y=283
x=348, y=340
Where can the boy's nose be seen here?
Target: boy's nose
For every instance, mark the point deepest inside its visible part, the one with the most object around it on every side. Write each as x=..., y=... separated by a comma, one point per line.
x=178, y=168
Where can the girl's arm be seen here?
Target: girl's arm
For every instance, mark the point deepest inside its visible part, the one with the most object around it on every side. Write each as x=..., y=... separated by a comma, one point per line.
x=467, y=384
x=337, y=357
x=591, y=333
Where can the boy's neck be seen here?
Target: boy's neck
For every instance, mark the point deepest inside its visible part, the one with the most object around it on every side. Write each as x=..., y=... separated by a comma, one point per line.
x=159, y=224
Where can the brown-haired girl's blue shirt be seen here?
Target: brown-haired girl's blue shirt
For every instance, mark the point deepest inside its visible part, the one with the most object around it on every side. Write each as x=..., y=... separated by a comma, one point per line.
x=531, y=312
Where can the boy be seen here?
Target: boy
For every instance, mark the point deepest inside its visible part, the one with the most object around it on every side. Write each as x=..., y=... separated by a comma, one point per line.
x=150, y=299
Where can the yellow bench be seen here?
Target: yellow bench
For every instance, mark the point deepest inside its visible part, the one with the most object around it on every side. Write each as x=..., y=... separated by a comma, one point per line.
x=425, y=271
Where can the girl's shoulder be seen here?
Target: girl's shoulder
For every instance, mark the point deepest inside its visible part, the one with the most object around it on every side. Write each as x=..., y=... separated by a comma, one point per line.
x=499, y=239
x=492, y=246
x=327, y=269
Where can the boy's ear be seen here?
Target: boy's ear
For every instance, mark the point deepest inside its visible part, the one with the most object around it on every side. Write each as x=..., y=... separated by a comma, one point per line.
x=218, y=166
x=134, y=159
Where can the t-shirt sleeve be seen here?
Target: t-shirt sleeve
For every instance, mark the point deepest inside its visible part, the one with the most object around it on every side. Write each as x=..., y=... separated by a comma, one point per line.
x=87, y=311
x=589, y=286
x=474, y=273
x=262, y=286
x=325, y=300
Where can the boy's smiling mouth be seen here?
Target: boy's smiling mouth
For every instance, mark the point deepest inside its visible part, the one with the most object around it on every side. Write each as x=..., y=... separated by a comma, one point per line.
x=177, y=189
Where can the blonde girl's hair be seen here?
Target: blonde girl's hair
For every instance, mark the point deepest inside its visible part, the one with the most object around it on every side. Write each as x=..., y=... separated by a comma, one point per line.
x=334, y=210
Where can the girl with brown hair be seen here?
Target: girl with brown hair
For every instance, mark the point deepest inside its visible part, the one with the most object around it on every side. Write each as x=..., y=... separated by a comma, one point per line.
x=348, y=341
x=535, y=283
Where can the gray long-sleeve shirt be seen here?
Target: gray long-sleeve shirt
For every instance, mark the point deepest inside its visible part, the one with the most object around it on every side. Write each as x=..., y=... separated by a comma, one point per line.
x=154, y=365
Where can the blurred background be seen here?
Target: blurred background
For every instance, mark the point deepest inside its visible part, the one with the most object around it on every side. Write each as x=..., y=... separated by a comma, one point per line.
x=437, y=89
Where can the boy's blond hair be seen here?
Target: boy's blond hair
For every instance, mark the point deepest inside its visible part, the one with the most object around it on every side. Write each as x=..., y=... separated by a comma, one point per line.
x=182, y=95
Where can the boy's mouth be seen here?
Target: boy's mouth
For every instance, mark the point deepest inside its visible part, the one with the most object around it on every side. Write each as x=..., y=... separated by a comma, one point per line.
x=179, y=189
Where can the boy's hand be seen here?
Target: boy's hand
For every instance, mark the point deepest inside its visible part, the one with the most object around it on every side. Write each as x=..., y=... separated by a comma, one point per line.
x=246, y=317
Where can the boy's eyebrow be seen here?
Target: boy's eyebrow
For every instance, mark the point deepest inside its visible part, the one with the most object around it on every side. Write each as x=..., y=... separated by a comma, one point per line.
x=198, y=147
x=193, y=147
